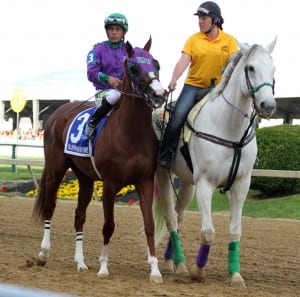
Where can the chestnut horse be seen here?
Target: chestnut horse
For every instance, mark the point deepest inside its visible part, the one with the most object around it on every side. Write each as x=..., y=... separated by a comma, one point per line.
x=125, y=153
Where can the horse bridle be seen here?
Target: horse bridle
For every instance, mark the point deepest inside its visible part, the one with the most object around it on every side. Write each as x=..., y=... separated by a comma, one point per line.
x=253, y=90
x=140, y=90
x=144, y=85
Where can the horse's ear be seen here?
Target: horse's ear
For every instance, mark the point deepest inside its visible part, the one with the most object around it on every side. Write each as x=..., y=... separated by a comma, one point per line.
x=271, y=45
x=243, y=46
x=148, y=44
x=129, y=49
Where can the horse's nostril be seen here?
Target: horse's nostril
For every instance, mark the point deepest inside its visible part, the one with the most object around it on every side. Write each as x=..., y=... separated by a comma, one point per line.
x=267, y=107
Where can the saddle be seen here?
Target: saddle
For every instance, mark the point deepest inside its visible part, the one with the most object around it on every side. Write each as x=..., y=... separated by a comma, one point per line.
x=161, y=117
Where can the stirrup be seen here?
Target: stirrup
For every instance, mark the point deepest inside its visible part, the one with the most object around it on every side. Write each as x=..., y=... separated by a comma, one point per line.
x=165, y=160
x=90, y=131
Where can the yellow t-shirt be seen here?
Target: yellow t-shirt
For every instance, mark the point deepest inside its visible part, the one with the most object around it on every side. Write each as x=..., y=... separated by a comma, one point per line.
x=208, y=57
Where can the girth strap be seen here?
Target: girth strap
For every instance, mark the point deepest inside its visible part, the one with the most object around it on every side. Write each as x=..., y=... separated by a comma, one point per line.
x=237, y=148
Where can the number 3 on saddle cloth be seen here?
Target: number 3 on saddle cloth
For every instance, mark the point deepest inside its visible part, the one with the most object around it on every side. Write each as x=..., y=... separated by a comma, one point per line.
x=77, y=143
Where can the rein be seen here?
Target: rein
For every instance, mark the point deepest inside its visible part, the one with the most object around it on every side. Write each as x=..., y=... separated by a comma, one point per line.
x=131, y=94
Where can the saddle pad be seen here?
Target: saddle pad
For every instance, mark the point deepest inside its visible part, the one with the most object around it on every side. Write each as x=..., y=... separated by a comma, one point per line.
x=192, y=116
x=77, y=143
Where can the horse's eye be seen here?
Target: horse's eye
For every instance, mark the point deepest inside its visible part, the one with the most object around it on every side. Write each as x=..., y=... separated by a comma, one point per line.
x=250, y=68
x=156, y=64
x=134, y=69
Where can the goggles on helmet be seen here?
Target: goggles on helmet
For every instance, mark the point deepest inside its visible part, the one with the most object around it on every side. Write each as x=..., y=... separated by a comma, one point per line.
x=115, y=20
x=202, y=10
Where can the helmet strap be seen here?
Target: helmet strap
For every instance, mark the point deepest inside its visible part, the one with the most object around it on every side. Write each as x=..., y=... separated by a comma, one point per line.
x=210, y=29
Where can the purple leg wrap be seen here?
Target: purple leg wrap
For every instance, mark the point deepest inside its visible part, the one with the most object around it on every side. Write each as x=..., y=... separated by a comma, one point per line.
x=202, y=256
x=169, y=251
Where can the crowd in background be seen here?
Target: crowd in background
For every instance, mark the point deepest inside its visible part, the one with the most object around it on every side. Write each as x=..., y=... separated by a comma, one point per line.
x=10, y=135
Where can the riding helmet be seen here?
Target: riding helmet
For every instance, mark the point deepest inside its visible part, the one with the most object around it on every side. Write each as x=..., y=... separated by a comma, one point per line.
x=211, y=9
x=116, y=19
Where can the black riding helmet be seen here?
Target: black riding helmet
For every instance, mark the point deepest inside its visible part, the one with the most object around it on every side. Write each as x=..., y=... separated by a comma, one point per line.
x=211, y=9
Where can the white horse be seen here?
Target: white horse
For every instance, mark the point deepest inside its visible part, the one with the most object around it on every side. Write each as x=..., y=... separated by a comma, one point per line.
x=223, y=151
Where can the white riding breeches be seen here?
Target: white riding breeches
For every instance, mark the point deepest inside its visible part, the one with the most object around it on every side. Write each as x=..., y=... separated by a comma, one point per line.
x=111, y=95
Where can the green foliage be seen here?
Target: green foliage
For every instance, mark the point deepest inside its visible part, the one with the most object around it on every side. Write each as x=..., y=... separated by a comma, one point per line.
x=22, y=172
x=278, y=149
x=284, y=207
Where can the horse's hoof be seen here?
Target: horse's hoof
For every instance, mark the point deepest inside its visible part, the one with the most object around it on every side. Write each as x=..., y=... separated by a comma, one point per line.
x=197, y=274
x=82, y=268
x=182, y=274
x=40, y=262
x=156, y=279
x=237, y=281
x=103, y=274
x=170, y=266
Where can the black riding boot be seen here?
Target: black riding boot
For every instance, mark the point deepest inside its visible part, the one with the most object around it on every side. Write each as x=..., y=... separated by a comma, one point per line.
x=168, y=148
x=96, y=117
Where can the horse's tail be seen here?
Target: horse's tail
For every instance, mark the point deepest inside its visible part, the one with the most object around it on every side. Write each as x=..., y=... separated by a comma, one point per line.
x=159, y=220
x=158, y=216
x=37, y=213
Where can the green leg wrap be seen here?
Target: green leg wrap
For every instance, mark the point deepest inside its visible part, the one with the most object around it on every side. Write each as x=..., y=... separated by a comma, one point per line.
x=177, y=249
x=234, y=257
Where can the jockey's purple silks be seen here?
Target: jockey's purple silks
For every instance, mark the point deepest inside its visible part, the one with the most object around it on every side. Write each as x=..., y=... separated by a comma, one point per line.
x=202, y=256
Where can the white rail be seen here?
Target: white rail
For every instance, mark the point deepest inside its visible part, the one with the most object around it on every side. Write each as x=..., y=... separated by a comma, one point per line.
x=276, y=173
x=40, y=163
x=27, y=163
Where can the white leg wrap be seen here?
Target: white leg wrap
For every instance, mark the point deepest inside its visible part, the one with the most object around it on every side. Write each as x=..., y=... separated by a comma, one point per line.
x=155, y=275
x=103, y=259
x=79, y=258
x=45, y=245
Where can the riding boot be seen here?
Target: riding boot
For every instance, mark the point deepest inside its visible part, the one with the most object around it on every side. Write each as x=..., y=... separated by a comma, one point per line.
x=168, y=148
x=96, y=117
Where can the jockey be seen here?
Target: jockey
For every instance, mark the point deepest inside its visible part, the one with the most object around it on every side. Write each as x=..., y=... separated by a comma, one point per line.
x=206, y=53
x=105, y=68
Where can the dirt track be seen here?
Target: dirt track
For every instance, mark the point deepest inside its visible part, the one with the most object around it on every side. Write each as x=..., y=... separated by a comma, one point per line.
x=270, y=254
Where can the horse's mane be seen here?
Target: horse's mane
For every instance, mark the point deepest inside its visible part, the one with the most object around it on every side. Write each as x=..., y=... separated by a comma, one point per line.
x=235, y=58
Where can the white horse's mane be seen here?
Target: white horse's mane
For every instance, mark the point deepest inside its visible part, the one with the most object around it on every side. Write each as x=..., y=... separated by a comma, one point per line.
x=235, y=58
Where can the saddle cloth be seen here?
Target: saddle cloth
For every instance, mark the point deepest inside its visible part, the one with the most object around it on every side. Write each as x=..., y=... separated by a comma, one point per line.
x=77, y=143
x=187, y=133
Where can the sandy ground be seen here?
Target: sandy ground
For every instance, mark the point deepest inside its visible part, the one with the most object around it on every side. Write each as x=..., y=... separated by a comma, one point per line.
x=270, y=254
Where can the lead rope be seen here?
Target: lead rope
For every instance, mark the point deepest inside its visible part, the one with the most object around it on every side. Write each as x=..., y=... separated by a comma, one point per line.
x=163, y=129
x=93, y=159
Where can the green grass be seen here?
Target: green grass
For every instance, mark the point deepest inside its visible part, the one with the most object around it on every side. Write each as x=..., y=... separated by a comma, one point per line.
x=6, y=172
x=285, y=207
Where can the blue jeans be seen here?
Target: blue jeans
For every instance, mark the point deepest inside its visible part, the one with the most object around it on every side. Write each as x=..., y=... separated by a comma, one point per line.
x=188, y=97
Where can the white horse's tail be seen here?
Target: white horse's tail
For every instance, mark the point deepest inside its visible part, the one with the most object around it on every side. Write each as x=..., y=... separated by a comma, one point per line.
x=159, y=220
x=160, y=228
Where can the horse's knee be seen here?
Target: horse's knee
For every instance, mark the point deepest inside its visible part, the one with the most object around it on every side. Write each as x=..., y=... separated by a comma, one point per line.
x=207, y=236
x=108, y=230
x=149, y=230
x=79, y=222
